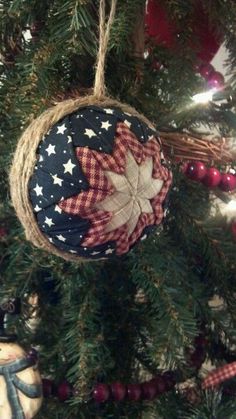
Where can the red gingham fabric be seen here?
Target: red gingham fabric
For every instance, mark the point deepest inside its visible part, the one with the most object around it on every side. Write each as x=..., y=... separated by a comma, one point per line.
x=219, y=375
x=94, y=165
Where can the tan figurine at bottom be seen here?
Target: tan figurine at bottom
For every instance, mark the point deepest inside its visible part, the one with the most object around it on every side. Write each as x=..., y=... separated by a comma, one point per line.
x=20, y=383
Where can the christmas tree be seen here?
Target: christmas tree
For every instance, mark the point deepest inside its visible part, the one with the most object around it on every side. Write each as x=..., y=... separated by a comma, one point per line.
x=148, y=333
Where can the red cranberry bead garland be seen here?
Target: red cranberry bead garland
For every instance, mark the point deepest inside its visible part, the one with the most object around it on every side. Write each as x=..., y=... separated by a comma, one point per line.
x=215, y=80
x=210, y=177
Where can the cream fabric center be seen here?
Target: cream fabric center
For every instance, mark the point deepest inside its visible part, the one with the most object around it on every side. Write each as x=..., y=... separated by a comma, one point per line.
x=133, y=192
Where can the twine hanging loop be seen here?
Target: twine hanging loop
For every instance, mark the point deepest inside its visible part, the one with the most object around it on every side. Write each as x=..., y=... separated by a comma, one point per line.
x=104, y=34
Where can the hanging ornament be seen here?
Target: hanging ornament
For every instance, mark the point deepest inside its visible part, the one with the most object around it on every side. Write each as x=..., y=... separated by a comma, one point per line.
x=20, y=382
x=164, y=31
x=88, y=180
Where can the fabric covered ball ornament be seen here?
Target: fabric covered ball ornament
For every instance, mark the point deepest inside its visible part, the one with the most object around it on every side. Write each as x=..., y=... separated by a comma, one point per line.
x=88, y=179
x=20, y=383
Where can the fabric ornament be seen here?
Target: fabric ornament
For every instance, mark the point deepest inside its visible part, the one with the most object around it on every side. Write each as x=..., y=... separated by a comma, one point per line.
x=88, y=179
x=20, y=383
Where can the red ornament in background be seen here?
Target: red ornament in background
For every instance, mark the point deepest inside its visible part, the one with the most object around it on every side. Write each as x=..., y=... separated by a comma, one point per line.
x=101, y=393
x=228, y=182
x=196, y=170
x=64, y=391
x=212, y=178
x=134, y=392
x=118, y=391
x=164, y=30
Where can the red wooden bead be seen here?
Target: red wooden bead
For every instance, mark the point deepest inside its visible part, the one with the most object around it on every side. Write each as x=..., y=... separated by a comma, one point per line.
x=196, y=170
x=101, y=393
x=134, y=392
x=64, y=391
x=159, y=383
x=228, y=182
x=216, y=80
x=212, y=178
x=205, y=70
x=47, y=385
x=149, y=390
x=118, y=391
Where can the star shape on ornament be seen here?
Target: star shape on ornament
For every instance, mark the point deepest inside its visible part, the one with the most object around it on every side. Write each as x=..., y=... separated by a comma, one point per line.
x=109, y=111
x=49, y=222
x=109, y=251
x=61, y=129
x=90, y=133
x=51, y=149
x=57, y=180
x=106, y=125
x=37, y=208
x=69, y=166
x=38, y=190
x=58, y=209
x=61, y=238
x=127, y=123
x=126, y=191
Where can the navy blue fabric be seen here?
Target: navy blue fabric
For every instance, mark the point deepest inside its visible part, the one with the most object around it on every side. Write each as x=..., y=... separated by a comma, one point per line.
x=58, y=174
